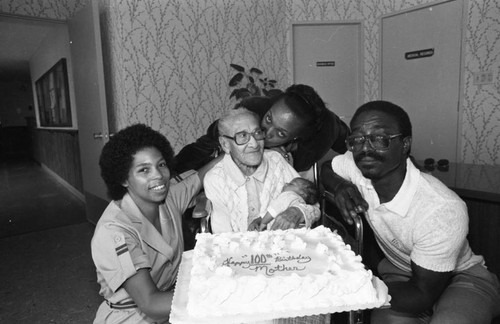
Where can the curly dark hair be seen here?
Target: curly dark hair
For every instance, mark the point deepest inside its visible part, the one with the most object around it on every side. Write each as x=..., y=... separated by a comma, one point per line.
x=118, y=154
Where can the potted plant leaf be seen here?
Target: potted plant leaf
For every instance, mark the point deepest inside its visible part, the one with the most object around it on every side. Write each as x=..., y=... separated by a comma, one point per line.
x=251, y=83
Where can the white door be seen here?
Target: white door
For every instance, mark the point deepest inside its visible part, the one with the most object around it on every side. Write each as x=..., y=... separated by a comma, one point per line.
x=328, y=56
x=421, y=65
x=88, y=72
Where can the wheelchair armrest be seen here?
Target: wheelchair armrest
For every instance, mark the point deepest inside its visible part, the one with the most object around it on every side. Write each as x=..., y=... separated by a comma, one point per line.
x=200, y=208
x=355, y=230
x=202, y=211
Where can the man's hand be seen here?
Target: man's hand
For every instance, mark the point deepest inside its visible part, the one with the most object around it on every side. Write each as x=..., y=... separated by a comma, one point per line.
x=290, y=218
x=255, y=224
x=346, y=195
x=349, y=200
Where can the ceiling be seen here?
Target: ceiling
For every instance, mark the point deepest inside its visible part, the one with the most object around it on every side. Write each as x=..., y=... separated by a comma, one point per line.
x=19, y=40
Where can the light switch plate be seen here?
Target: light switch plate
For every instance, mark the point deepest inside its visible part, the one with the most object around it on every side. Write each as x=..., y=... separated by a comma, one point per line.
x=483, y=77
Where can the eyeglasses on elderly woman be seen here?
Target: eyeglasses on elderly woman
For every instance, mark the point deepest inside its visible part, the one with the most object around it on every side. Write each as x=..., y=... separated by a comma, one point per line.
x=243, y=137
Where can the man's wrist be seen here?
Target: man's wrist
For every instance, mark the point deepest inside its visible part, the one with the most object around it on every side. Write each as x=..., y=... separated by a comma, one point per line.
x=338, y=183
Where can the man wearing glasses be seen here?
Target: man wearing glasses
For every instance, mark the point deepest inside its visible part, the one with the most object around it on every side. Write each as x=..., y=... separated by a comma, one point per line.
x=242, y=185
x=419, y=224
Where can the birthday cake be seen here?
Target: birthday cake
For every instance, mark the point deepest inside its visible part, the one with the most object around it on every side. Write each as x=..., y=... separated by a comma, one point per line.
x=275, y=271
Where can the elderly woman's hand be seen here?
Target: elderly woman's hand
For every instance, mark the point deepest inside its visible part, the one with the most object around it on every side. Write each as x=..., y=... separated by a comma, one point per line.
x=255, y=224
x=290, y=218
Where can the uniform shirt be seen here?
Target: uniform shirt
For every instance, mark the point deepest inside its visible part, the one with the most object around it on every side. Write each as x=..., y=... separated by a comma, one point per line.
x=125, y=241
x=225, y=187
x=425, y=222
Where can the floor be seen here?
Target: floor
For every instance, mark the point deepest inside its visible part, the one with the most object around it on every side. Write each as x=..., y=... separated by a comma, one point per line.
x=48, y=277
x=32, y=200
x=47, y=271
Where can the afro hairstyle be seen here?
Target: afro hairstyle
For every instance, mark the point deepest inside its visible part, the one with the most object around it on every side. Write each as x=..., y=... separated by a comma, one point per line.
x=118, y=154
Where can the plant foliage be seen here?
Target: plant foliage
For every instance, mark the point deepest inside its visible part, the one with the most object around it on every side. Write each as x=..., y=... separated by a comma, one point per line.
x=251, y=83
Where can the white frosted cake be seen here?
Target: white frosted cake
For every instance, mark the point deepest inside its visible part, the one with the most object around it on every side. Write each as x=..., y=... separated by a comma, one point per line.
x=275, y=271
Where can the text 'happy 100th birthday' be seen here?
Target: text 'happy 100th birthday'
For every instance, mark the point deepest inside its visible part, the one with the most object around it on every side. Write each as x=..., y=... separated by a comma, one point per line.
x=269, y=264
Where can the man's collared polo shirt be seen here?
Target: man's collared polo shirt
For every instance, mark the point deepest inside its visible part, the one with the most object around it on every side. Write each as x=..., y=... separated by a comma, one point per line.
x=425, y=222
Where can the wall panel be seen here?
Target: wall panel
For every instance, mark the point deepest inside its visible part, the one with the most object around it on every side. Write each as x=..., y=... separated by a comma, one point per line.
x=59, y=151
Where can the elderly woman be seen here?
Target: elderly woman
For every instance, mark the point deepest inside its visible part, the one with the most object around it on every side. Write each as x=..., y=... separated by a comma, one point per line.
x=137, y=244
x=297, y=124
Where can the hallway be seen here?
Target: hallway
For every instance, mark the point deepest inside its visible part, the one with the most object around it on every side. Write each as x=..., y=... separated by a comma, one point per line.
x=47, y=271
x=31, y=199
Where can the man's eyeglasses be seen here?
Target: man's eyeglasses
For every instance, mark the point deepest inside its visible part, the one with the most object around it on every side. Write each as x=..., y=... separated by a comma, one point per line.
x=243, y=137
x=377, y=142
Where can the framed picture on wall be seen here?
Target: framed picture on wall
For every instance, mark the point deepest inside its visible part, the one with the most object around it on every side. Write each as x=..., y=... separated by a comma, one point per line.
x=52, y=93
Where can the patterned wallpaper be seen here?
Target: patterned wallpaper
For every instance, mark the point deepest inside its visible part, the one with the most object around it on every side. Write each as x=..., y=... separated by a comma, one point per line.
x=51, y=9
x=168, y=60
x=171, y=59
x=481, y=104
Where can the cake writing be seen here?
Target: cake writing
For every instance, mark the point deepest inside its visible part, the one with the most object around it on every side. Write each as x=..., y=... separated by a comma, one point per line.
x=259, y=263
x=299, y=258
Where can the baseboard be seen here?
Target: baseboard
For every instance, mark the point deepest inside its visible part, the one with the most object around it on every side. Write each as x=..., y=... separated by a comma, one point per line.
x=64, y=183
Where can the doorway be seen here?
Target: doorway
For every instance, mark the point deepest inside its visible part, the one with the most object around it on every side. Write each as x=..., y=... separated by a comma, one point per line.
x=32, y=197
x=329, y=57
x=421, y=71
x=335, y=71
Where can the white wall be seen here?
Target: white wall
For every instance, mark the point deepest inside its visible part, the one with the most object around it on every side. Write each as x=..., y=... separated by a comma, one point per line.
x=54, y=47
